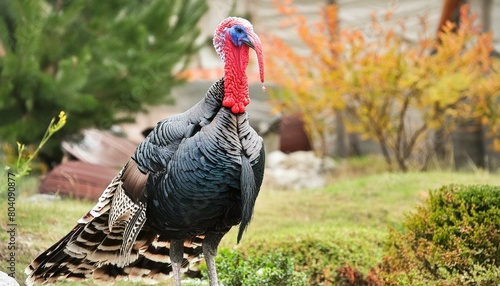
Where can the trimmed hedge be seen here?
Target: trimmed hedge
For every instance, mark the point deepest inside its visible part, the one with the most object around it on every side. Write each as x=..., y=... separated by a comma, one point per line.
x=453, y=239
x=326, y=257
x=271, y=269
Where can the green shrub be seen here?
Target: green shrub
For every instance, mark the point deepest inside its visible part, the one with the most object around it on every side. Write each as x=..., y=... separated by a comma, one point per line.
x=234, y=269
x=453, y=239
x=324, y=256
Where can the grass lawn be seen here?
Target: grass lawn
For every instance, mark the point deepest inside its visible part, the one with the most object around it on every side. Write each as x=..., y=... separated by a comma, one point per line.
x=353, y=212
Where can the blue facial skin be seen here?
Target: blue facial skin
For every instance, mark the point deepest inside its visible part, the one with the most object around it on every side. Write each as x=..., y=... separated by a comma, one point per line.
x=239, y=36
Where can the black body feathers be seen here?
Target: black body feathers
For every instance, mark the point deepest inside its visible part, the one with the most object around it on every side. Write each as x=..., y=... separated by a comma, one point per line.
x=196, y=173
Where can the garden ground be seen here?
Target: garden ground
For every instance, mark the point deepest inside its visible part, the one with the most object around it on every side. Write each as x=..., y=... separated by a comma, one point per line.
x=353, y=213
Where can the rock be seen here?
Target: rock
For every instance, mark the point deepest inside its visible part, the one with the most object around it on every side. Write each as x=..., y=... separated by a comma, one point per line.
x=43, y=198
x=275, y=159
x=297, y=170
x=6, y=280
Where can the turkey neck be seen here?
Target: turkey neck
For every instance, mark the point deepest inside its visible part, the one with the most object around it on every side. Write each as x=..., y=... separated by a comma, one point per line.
x=236, y=96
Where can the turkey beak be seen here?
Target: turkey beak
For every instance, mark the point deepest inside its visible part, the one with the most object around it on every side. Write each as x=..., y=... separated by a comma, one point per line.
x=253, y=41
x=247, y=42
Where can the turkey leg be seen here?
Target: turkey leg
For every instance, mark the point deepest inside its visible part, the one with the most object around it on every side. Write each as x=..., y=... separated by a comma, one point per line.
x=176, y=256
x=210, y=244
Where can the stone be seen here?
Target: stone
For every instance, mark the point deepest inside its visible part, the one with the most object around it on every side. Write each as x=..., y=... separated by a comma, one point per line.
x=297, y=170
x=43, y=198
x=6, y=280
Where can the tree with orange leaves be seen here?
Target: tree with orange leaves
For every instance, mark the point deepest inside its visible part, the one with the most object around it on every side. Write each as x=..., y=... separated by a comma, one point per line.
x=394, y=92
x=310, y=87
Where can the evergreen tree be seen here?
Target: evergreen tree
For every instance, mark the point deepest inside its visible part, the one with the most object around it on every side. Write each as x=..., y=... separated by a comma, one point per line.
x=99, y=61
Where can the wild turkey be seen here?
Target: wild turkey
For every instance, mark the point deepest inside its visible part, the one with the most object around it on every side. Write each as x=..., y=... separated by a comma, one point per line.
x=195, y=176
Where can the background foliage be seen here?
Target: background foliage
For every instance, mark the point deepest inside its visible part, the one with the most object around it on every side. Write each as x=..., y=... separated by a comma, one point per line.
x=99, y=61
x=334, y=236
x=273, y=268
x=450, y=240
x=397, y=93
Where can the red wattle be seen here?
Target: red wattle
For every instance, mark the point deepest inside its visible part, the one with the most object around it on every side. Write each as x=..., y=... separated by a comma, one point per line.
x=228, y=102
x=235, y=59
x=236, y=96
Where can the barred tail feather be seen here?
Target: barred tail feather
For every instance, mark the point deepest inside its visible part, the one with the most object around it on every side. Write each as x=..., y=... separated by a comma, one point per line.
x=111, y=242
x=79, y=255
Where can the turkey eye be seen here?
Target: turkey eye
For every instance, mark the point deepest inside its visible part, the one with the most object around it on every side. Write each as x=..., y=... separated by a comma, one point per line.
x=238, y=30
